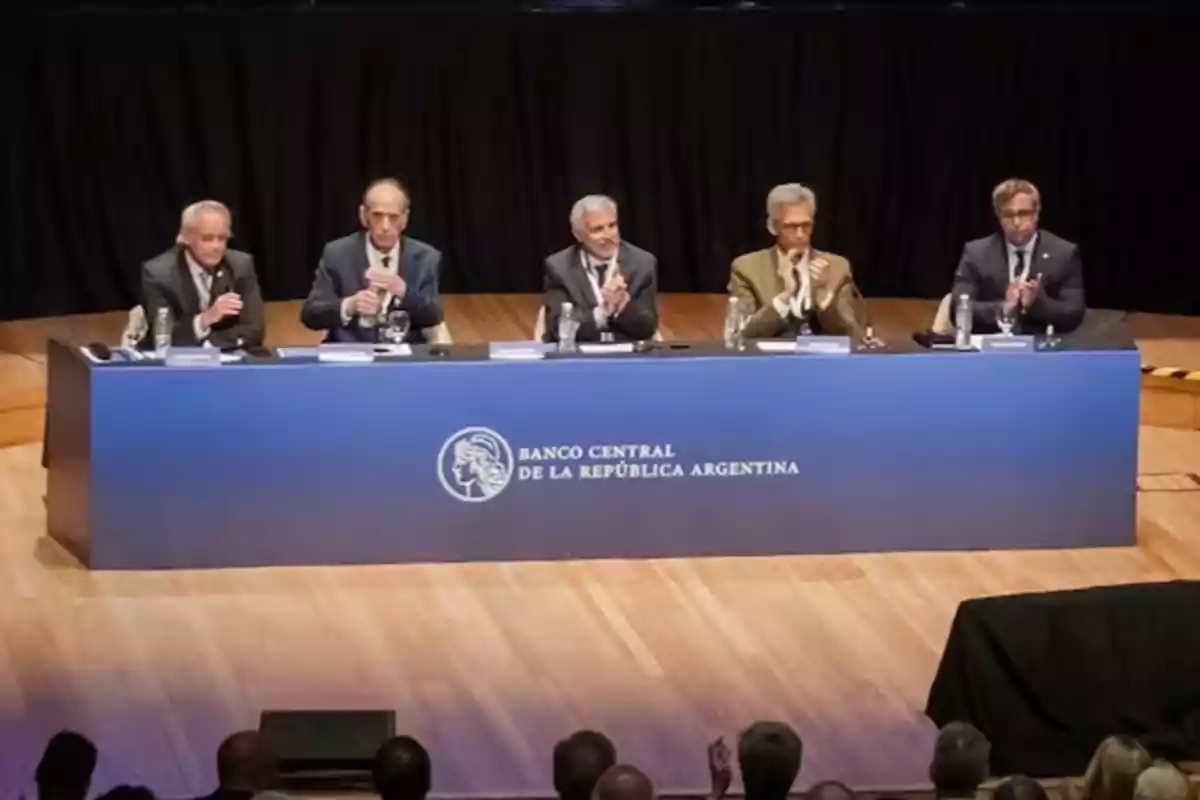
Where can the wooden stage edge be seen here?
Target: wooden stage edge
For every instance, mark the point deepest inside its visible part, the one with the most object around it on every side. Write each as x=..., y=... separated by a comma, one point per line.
x=490, y=664
x=1165, y=341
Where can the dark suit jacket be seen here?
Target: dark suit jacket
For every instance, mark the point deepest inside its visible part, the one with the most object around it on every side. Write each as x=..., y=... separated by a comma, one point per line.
x=565, y=281
x=342, y=272
x=983, y=274
x=166, y=280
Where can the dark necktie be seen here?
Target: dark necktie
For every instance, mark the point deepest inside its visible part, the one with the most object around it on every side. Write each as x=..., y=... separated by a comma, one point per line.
x=1020, y=270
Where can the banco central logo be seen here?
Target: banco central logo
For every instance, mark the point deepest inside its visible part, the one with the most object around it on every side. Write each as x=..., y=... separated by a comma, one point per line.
x=475, y=465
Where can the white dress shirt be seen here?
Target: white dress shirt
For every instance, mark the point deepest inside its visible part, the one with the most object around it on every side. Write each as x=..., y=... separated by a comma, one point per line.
x=592, y=267
x=1029, y=249
x=203, y=280
x=375, y=259
x=799, y=304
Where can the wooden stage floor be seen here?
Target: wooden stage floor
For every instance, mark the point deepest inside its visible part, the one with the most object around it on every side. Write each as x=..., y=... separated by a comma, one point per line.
x=490, y=664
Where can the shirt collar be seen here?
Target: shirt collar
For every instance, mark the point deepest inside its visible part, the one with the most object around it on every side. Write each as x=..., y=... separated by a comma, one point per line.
x=195, y=267
x=373, y=251
x=590, y=260
x=1029, y=247
x=782, y=257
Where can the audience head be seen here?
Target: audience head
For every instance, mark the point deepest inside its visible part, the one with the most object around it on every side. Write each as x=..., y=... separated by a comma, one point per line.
x=204, y=229
x=402, y=770
x=594, y=223
x=384, y=212
x=1114, y=769
x=243, y=762
x=1019, y=787
x=623, y=782
x=65, y=771
x=791, y=209
x=126, y=792
x=769, y=756
x=830, y=790
x=579, y=761
x=1162, y=781
x=961, y=760
x=1017, y=204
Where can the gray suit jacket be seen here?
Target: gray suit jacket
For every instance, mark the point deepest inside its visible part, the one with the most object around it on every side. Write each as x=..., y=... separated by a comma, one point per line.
x=983, y=274
x=565, y=281
x=342, y=272
x=166, y=281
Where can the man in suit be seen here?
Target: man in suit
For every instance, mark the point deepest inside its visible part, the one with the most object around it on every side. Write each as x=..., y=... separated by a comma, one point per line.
x=211, y=290
x=791, y=288
x=1032, y=272
x=364, y=276
x=612, y=284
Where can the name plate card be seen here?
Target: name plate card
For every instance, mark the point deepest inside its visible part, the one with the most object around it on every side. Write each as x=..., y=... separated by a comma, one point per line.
x=531, y=350
x=828, y=345
x=193, y=357
x=1006, y=344
x=603, y=348
x=346, y=353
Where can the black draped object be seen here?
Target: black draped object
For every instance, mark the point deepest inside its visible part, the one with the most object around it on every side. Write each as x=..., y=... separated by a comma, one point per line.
x=902, y=122
x=1048, y=676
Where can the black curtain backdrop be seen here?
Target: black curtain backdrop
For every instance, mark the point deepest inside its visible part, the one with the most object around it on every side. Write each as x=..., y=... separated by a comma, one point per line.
x=902, y=123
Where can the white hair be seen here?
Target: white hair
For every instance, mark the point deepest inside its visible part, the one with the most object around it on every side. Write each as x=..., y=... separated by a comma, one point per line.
x=589, y=204
x=188, y=218
x=789, y=194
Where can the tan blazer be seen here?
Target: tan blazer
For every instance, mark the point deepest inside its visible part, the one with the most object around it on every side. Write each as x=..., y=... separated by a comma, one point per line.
x=755, y=280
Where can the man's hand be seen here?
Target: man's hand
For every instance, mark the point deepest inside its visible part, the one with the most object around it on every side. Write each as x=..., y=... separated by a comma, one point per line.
x=227, y=305
x=366, y=303
x=378, y=278
x=614, y=293
x=1012, y=295
x=817, y=267
x=719, y=769
x=1028, y=291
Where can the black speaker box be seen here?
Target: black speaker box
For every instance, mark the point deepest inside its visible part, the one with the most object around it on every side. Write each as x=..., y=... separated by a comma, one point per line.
x=326, y=750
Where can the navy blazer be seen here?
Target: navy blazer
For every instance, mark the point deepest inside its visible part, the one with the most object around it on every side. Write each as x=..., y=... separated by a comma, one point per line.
x=983, y=274
x=342, y=273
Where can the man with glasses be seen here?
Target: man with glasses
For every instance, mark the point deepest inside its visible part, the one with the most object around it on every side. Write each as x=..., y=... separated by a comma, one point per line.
x=1031, y=274
x=791, y=288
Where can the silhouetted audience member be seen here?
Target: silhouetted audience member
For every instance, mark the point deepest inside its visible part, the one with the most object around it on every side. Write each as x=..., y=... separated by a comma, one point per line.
x=1162, y=781
x=769, y=756
x=127, y=792
x=402, y=770
x=244, y=767
x=961, y=761
x=1019, y=787
x=830, y=790
x=65, y=771
x=624, y=782
x=1114, y=769
x=579, y=761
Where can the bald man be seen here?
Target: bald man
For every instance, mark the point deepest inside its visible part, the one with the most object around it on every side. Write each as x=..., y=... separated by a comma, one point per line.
x=623, y=782
x=364, y=277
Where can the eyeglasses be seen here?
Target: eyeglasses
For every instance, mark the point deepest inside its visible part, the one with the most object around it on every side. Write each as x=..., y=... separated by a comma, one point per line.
x=1024, y=213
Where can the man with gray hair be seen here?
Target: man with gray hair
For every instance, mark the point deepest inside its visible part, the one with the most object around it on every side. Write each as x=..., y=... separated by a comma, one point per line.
x=211, y=291
x=792, y=289
x=612, y=284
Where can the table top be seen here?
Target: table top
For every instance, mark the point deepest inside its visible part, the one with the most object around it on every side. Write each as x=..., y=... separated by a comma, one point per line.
x=1102, y=340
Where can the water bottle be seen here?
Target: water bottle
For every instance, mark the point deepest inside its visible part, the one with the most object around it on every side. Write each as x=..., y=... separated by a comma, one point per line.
x=566, y=328
x=733, y=325
x=162, y=331
x=964, y=319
